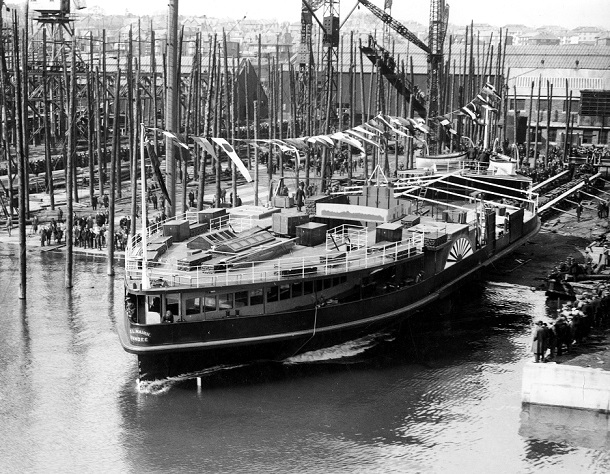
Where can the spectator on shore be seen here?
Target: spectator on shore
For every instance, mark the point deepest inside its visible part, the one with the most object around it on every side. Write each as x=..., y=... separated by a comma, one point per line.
x=538, y=342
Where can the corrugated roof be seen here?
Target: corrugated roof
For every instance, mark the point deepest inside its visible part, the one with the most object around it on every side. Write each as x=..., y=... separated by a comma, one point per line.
x=594, y=57
x=523, y=56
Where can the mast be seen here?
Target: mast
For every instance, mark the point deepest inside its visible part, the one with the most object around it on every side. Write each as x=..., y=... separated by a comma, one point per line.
x=144, y=208
x=438, y=27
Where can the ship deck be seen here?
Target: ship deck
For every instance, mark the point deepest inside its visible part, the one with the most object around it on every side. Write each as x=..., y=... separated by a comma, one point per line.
x=277, y=257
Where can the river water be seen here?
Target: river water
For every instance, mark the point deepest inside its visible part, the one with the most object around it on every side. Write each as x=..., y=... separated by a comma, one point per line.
x=440, y=394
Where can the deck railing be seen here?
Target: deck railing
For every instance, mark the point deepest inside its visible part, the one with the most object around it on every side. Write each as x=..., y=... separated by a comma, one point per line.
x=152, y=231
x=219, y=274
x=354, y=236
x=237, y=224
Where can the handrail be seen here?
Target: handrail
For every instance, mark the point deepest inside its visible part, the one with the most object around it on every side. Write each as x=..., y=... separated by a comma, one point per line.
x=227, y=221
x=276, y=270
x=353, y=235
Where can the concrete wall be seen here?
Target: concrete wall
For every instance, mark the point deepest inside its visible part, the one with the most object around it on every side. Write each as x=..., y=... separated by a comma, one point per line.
x=566, y=386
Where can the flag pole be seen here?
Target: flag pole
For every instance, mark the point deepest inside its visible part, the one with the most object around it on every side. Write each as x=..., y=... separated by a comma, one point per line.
x=145, y=284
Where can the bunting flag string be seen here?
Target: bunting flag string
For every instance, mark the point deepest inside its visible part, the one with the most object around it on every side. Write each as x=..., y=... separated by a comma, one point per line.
x=229, y=150
x=340, y=136
x=364, y=131
x=370, y=133
x=482, y=100
x=446, y=124
x=489, y=89
x=170, y=135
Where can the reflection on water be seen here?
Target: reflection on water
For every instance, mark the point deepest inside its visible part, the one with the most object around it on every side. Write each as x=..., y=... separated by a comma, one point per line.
x=438, y=393
x=566, y=427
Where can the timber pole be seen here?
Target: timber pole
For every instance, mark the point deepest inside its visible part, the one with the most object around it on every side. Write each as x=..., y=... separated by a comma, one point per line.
x=20, y=160
x=112, y=177
x=566, y=146
x=549, y=92
x=171, y=112
x=537, y=130
x=91, y=119
x=98, y=132
x=516, y=122
x=71, y=190
x=529, y=123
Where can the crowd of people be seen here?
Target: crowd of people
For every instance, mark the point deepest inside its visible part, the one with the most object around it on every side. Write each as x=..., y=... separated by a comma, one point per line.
x=573, y=324
x=89, y=231
x=590, y=309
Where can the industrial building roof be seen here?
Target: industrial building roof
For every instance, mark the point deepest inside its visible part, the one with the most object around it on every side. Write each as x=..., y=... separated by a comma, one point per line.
x=593, y=57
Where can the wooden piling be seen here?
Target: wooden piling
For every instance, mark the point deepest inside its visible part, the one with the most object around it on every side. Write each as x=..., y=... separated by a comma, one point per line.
x=112, y=175
x=567, y=144
x=256, y=131
x=171, y=103
x=71, y=190
x=98, y=133
x=90, y=118
x=549, y=89
x=21, y=164
x=537, y=130
x=528, y=138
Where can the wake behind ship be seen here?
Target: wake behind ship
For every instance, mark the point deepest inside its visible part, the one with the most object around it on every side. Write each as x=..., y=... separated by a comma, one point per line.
x=226, y=286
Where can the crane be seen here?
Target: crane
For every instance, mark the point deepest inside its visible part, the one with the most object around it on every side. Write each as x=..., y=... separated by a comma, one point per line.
x=395, y=25
x=439, y=17
x=330, y=60
x=57, y=13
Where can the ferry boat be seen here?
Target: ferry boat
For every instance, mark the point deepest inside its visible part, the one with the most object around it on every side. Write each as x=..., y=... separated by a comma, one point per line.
x=229, y=286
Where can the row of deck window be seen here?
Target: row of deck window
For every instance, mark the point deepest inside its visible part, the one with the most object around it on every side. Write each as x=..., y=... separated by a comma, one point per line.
x=239, y=299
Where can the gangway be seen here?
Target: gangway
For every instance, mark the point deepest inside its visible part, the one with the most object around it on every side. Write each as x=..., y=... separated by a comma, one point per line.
x=565, y=194
x=550, y=180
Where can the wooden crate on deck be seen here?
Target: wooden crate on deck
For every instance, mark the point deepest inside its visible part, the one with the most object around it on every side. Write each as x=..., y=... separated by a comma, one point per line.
x=206, y=215
x=179, y=230
x=286, y=224
x=311, y=234
x=283, y=202
x=389, y=232
x=410, y=221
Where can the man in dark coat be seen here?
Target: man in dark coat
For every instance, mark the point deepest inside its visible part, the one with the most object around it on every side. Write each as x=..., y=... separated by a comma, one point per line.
x=300, y=196
x=538, y=342
x=562, y=334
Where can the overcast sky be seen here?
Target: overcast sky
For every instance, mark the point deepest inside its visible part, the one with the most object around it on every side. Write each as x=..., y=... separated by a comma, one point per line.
x=565, y=13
